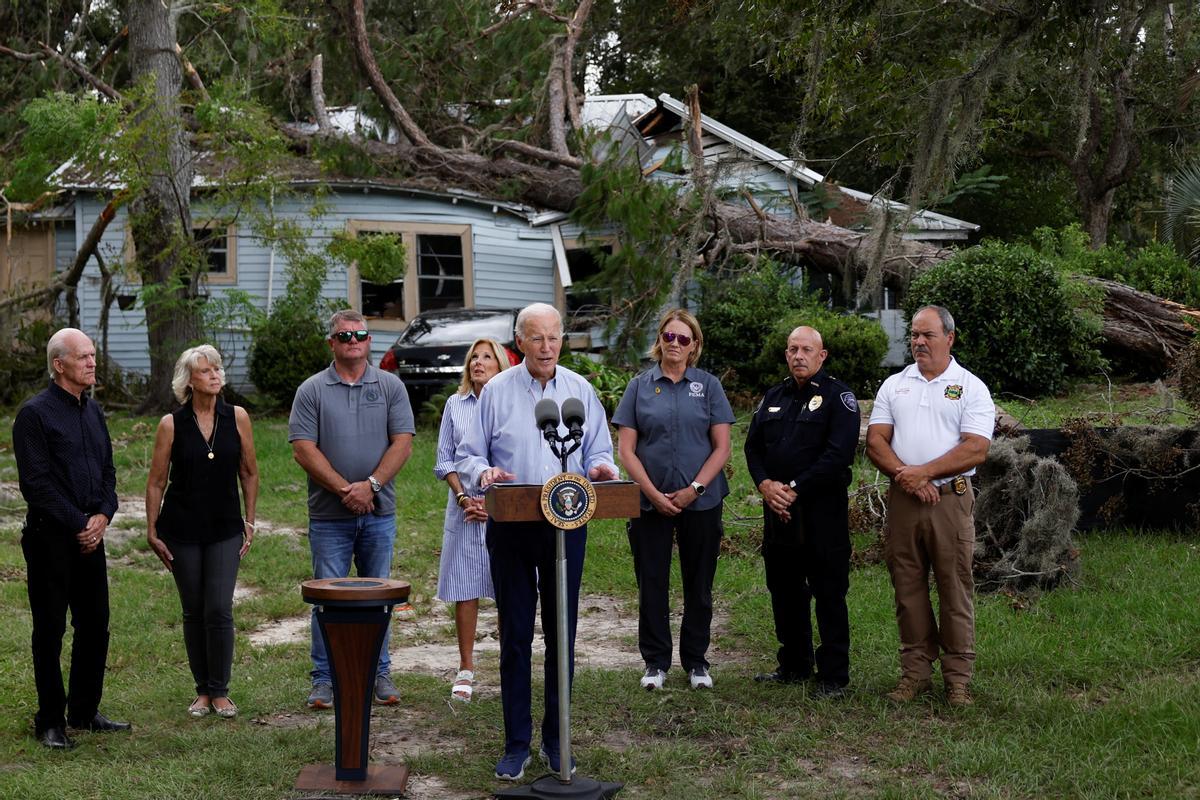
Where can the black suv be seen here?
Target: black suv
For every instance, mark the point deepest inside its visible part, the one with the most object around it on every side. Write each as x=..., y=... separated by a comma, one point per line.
x=431, y=351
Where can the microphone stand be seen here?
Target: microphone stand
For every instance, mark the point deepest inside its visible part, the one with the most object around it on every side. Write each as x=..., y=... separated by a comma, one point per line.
x=563, y=785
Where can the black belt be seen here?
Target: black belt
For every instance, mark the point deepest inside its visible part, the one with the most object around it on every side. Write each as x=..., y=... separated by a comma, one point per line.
x=959, y=485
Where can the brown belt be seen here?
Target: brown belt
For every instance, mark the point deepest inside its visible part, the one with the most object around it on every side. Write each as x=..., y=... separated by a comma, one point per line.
x=960, y=485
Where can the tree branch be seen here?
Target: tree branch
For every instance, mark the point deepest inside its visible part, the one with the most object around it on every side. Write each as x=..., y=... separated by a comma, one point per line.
x=189, y=72
x=82, y=72
x=70, y=278
x=357, y=28
x=317, y=74
x=567, y=160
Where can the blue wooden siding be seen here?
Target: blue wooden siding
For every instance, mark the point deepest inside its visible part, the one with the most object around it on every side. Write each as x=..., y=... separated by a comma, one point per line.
x=511, y=268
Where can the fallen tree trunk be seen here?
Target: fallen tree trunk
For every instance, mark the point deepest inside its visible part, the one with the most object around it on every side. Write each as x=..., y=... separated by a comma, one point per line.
x=1142, y=331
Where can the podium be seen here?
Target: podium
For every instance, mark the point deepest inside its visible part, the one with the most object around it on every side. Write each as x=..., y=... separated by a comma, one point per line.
x=538, y=503
x=353, y=614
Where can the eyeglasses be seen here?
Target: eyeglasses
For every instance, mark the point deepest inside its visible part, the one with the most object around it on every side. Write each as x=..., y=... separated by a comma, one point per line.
x=345, y=336
x=670, y=337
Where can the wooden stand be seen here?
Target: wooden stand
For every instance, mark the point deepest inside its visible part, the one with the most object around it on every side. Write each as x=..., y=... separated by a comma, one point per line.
x=353, y=614
x=523, y=503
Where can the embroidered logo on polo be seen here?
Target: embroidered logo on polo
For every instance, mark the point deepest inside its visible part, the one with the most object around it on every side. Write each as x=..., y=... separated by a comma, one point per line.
x=849, y=402
x=372, y=395
x=953, y=392
x=695, y=389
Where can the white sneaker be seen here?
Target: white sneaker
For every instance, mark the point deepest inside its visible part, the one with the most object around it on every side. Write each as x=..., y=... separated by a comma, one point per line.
x=653, y=679
x=700, y=679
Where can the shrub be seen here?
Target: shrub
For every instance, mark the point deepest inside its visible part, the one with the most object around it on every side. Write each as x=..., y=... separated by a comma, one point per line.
x=608, y=381
x=1158, y=269
x=1155, y=268
x=736, y=312
x=23, y=364
x=1023, y=326
x=856, y=348
x=288, y=347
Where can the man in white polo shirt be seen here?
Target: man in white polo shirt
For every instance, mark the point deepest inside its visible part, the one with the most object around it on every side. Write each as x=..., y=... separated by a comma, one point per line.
x=930, y=427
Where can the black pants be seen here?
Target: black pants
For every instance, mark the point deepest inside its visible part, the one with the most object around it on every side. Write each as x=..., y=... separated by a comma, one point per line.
x=62, y=578
x=206, y=575
x=698, y=534
x=523, y=562
x=809, y=559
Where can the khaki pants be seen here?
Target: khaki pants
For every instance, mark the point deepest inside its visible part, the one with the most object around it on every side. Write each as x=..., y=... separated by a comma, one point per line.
x=916, y=537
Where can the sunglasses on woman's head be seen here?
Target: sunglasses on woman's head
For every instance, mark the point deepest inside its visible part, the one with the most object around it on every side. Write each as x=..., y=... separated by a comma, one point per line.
x=345, y=336
x=683, y=339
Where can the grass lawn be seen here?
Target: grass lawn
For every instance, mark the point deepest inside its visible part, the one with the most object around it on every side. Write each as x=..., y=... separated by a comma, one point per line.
x=1092, y=690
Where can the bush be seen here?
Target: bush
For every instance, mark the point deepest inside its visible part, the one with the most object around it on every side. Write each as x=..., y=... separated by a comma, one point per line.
x=1023, y=326
x=609, y=382
x=288, y=347
x=23, y=364
x=1155, y=268
x=856, y=348
x=1158, y=269
x=735, y=314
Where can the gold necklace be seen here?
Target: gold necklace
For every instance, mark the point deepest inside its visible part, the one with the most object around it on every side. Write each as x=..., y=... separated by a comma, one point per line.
x=207, y=442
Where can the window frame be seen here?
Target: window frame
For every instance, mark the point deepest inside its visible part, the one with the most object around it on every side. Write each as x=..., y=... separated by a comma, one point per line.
x=580, y=243
x=408, y=232
x=230, y=276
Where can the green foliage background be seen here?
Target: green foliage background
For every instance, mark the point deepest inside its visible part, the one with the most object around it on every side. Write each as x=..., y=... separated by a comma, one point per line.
x=1021, y=324
x=856, y=347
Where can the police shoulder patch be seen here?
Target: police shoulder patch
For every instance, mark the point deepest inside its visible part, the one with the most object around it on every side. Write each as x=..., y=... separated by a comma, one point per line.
x=849, y=402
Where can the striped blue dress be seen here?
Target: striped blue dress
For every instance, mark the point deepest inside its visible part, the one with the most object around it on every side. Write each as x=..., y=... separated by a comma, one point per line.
x=464, y=572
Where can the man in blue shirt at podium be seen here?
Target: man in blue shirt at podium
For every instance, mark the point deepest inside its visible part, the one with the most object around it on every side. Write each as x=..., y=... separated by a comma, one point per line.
x=506, y=445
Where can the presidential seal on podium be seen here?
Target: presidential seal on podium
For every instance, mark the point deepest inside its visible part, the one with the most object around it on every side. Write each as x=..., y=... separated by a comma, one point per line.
x=568, y=501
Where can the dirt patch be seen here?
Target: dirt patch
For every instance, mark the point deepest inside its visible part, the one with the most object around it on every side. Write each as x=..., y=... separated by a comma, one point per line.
x=425, y=643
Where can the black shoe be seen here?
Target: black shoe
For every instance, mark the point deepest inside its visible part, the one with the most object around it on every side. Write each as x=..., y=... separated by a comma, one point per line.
x=55, y=739
x=780, y=676
x=101, y=724
x=829, y=691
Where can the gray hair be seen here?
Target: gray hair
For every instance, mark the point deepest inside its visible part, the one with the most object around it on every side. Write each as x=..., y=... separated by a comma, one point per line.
x=57, y=347
x=345, y=315
x=537, y=310
x=190, y=359
x=943, y=314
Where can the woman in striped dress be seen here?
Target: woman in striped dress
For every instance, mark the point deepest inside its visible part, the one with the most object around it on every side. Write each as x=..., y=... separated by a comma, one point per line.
x=464, y=575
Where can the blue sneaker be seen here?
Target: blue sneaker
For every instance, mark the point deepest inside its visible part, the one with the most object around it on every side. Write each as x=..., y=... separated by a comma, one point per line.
x=553, y=759
x=512, y=766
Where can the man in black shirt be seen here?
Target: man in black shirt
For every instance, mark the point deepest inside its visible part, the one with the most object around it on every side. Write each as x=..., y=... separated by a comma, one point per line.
x=65, y=467
x=799, y=450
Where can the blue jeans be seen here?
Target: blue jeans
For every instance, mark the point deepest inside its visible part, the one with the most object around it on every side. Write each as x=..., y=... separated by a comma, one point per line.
x=333, y=542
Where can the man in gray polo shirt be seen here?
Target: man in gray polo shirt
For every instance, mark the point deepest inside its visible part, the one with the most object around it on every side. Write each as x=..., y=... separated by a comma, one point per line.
x=351, y=430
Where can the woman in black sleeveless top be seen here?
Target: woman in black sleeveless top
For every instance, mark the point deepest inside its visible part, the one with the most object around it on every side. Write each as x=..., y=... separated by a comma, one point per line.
x=197, y=530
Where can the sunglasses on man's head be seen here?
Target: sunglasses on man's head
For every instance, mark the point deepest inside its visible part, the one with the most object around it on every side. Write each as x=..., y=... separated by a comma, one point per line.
x=345, y=336
x=683, y=339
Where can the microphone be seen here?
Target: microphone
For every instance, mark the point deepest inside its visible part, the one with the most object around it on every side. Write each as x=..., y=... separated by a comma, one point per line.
x=572, y=417
x=545, y=414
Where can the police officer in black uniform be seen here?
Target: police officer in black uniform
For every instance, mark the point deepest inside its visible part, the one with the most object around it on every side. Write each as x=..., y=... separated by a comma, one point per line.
x=799, y=450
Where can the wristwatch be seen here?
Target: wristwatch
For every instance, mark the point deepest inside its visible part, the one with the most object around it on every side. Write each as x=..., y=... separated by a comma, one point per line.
x=376, y=486
x=698, y=487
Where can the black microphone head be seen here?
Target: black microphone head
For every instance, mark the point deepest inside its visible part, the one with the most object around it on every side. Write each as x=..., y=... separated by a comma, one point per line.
x=545, y=413
x=572, y=412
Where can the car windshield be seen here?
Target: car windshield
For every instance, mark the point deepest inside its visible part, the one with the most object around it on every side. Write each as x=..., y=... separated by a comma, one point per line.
x=459, y=327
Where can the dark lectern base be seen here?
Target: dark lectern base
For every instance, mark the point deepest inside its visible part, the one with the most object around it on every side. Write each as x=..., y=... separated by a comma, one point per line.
x=579, y=788
x=380, y=780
